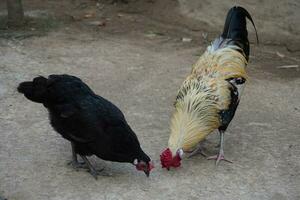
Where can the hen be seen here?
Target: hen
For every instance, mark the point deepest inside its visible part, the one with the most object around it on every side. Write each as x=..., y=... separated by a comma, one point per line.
x=92, y=124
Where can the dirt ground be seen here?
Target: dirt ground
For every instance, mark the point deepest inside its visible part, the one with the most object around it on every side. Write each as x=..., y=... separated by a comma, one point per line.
x=137, y=58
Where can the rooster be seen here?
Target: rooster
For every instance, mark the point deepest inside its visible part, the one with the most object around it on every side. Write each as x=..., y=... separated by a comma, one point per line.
x=92, y=124
x=209, y=96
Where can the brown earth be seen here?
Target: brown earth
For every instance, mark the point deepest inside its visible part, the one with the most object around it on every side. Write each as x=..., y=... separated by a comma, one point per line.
x=134, y=55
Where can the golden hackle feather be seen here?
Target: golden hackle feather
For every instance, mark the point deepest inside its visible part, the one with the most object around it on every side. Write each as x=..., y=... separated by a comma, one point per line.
x=203, y=94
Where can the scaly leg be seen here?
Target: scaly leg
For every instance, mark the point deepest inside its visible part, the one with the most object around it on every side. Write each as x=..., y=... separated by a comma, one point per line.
x=93, y=171
x=75, y=163
x=220, y=156
x=197, y=150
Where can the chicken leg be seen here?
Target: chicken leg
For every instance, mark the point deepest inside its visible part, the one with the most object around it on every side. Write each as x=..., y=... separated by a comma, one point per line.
x=197, y=150
x=220, y=156
x=85, y=164
x=75, y=163
x=93, y=171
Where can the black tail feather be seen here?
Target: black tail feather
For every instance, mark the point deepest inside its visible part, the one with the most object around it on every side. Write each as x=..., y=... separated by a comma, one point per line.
x=34, y=90
x=235, y=28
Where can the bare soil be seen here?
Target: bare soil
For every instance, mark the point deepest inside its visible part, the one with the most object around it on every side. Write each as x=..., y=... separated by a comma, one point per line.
x=134, y=55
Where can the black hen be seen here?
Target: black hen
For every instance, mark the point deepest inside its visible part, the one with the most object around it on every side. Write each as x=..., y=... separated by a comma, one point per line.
x=92, y=124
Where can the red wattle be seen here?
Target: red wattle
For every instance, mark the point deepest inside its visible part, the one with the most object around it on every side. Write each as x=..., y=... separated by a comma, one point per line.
x=151, y=165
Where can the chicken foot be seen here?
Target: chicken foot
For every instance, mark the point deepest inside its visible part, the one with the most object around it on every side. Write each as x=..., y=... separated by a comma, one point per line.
x=92, y=170
x=75, y=163
x=197, y=150
x=220, y=156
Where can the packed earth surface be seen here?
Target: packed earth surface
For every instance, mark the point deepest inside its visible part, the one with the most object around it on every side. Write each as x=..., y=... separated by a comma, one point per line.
x=136, y=54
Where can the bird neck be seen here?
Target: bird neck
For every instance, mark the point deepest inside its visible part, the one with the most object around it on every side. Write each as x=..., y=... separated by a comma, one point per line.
x=143, y=156
x=193, y=119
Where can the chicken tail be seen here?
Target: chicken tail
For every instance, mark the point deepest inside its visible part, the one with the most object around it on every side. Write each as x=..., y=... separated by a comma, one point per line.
x=235, y=28
x=235, y=31
x=34, y=90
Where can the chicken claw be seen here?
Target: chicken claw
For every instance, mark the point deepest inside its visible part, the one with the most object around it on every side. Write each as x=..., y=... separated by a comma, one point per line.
x=218, y=158
x=198, y=150
x=91, y=168
x=77, y=165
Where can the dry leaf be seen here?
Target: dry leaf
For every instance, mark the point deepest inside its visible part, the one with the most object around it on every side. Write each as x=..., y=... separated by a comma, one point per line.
x=102, y=23
x=280, y=54
x=89, y=15
x=186, y=39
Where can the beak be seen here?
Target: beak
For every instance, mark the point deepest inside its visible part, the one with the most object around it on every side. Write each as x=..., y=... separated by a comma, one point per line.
x=147, y=173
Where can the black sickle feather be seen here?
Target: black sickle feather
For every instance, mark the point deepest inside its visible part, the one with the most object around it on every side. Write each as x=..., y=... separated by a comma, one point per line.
x=235, y=28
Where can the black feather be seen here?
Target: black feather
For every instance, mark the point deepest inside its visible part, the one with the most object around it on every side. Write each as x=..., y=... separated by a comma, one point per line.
x=227, y=115
x=34, y=90
x=235, y=28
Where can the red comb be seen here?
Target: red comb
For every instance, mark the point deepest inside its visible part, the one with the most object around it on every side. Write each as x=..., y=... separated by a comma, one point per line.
x=168, y=161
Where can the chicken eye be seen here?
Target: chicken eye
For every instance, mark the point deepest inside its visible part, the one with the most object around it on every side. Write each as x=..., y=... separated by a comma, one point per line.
x=239, y=81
